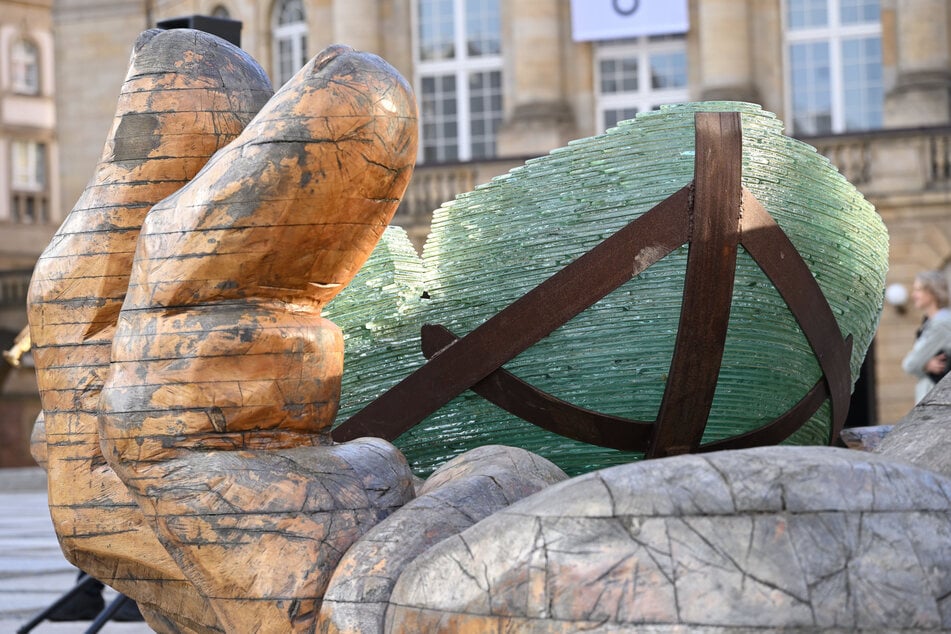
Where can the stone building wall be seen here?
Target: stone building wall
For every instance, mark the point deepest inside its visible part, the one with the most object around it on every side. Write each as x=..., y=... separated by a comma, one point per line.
x=24, y=232
x=919, y=227
x=26, y=117
x=93, y=44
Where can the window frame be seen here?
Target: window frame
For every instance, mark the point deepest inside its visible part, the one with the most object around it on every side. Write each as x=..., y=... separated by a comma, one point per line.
x=834, y=34
x=644, y=97
x=462, y=67
x=29, y=195
x=22, y=80
x=293, y=33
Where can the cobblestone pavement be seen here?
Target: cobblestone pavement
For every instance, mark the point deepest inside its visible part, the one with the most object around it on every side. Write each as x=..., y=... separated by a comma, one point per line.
x=33, y=571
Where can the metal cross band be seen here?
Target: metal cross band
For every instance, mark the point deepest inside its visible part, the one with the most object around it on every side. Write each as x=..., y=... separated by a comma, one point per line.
x=707, y=215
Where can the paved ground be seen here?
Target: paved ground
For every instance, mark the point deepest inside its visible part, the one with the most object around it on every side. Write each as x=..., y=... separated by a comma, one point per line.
x=33, y=572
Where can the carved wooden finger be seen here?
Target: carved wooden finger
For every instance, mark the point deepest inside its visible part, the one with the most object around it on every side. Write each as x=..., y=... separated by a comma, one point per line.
x=457, y=495
x=225, y=378
x=770, y=539
x=186, y=94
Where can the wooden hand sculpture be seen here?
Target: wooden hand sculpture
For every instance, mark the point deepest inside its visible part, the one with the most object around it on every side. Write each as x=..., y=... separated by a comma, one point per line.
x=225, y=378
x=218, y=500
x=186, y=95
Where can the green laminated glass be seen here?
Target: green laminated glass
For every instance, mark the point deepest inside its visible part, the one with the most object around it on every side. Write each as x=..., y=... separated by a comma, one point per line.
x=490, y=246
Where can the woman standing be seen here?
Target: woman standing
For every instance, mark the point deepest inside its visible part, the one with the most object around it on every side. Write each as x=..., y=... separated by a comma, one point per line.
x=928, y=359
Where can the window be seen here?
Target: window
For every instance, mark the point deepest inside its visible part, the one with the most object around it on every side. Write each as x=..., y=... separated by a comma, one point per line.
x=221, y=11
x=290, y=39
x=639, y=74
x=25, y=62
x=835, y=65
x=458, y=53
x=29, y=199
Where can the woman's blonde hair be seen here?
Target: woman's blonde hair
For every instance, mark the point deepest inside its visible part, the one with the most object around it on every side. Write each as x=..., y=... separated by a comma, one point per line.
x=935, y=283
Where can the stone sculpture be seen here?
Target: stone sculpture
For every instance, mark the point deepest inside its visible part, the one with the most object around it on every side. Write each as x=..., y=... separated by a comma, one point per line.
x=456, y=496
x=204, y=371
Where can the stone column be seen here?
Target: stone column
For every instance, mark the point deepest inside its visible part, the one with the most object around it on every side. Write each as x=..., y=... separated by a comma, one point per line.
x=725, y=55
x=540, y=118
x=921, y=94
x=356, y=23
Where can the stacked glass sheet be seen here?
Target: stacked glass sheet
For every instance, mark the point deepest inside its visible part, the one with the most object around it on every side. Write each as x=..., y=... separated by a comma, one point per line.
x=490, y=246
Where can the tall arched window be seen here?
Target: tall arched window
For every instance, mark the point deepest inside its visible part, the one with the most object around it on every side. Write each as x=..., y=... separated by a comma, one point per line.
x=25, y=62
x=289, y=32
x=221, y=11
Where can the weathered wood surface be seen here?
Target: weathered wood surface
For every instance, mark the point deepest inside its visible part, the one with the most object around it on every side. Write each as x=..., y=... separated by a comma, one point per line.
x=224, y=376
x=864, y=438
x=923, y=437
x=770, y=539
x=217, y=499
x=457, y=495
x=38, y=441
x=186, y=95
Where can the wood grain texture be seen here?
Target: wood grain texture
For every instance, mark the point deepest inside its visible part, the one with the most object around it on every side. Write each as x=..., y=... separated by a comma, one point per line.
x=186, y=95
x=457, y=495
x=769, y=539
x=225, y=377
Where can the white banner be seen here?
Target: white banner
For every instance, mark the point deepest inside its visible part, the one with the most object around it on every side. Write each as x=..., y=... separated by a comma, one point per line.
x=615, y=19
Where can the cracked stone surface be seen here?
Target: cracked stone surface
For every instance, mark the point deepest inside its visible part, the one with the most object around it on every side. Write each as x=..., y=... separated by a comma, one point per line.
x=923, y=437
x=777, y=538
x=461, y=492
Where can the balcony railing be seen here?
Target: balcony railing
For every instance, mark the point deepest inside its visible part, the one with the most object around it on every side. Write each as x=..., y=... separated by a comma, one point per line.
x=433, y=185
x=910, y=159
x=876, y=162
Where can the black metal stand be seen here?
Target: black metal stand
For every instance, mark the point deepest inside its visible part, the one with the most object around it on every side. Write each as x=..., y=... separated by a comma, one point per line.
x=107, y=614
x=101, y=619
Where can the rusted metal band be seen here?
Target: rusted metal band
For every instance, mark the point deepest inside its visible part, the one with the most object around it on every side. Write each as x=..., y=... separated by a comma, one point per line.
x=708, y=285
x=776, y=255
x=524, y=322
x=779, y=428
x=540, y=408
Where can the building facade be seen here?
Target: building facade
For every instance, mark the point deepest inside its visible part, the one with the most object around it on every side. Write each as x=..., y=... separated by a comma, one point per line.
x=868, y=82
x=29, y=192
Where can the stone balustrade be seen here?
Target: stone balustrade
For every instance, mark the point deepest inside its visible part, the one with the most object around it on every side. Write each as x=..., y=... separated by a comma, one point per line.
x=879, y=163
x=432, y=185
